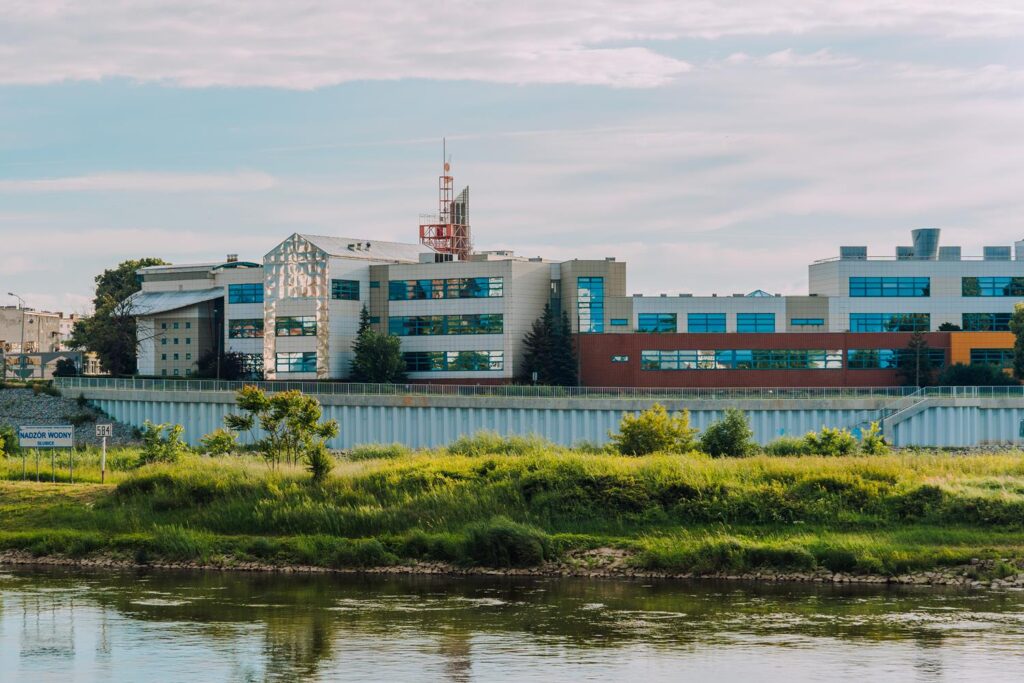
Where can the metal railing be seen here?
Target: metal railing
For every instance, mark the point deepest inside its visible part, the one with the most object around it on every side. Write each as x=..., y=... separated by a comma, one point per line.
x=488, y=391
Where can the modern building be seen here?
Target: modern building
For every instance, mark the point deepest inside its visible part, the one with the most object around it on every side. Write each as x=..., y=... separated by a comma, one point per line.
x=463, y=317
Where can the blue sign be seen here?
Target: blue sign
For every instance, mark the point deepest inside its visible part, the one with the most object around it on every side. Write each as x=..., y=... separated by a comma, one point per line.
x=46, y=436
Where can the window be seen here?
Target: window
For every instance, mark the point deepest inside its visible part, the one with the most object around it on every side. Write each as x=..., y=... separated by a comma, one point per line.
x=755, y=322
x=251, y=365
x=450, y=288
x=987, y=322
x=301, y=361
x=175, y=340
x=245, y=328
x=247, y=293
x=590, y=303
x=374, y=284
x=374, y=319
x=890, y=322
x=890, y=286
x=175, y=356
x=618, y=322
x=177, y=372
x=163, y=341
x=993, y=286
x=656, y=322
x=295, y=326
x=807, y=322
x=454, y=361
x=176, y=325
x=163, y=356
x=347, y=290
x=888, y=359
x=1001, y=358
x=742, y=359
x=188, y=372
x=163, y=326
x=620, y=359
x=188, y=326
x=188, y=340
x=705, y=322
x=188, y=356
x=424, y=325
x=163, y=371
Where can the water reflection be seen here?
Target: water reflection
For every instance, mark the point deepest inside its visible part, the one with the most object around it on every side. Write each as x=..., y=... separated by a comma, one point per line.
x=58, y=625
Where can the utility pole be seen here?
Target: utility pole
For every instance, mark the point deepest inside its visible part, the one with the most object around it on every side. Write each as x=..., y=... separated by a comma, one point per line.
x=21, y=307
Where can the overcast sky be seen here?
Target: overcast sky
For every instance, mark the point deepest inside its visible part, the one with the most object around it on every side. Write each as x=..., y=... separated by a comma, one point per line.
x=715, y=146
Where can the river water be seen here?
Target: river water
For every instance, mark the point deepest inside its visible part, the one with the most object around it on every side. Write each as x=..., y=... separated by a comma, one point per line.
x=119, y=626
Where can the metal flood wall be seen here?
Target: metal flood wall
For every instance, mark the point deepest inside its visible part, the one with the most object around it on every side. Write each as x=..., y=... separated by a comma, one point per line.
x=428, y=427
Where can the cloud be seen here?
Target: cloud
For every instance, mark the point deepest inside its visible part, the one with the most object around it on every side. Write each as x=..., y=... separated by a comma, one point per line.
x=144, y=182
x=307, y=44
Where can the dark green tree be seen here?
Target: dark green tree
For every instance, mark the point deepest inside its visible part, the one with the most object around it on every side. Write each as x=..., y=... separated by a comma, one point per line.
x=1017, y=327
x=378, y=356
x=65, y=368
x=914, y=364
x=549, y=351
x=111, y=331
x=231, y=366
x=949, y=327
x=960, y=375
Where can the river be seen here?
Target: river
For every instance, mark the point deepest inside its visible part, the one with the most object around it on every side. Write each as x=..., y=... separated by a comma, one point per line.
x=71, y=625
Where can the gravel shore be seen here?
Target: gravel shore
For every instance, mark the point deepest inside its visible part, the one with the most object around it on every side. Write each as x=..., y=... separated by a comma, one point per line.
x=20, y=407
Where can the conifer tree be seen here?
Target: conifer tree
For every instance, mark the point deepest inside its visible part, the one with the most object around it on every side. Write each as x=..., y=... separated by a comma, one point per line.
x=549, y=351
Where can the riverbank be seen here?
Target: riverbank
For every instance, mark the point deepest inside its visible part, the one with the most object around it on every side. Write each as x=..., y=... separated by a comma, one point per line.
x=950, y=520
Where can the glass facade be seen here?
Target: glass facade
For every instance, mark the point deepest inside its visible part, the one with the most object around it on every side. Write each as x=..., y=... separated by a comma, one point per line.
x=423, y=325
x=346, y=290
x=618, y=322
x=742, y=359
x=889, y=359
x=807, y=322
x=705, y=322
x=295, y=326
x=450, y=288
x=986, y=322
x=245, y=328
x=247, y=293
x=454, y=361
x=1001, y=358
x=590, y=303
x=656, y=322
x=755, y=322
x=890, y=322
x=890, y=286
x=992, y=286
x=301, y=361
x=251, y=365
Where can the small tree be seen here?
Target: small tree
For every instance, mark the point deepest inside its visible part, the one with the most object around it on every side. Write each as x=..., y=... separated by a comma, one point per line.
x=654, y=431
x=872, y=442
x=8, y=440
x=357, y=372
x=65, y=367
x=730, y=436
x=319, y=462
x=549, y=350
x=379, y=359
x=219, y=442
x=1017, y=327
x=915, y=365
x=290, y=421
x=831, y=441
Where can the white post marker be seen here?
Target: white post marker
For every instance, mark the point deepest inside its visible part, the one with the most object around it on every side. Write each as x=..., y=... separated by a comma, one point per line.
x=104, y=432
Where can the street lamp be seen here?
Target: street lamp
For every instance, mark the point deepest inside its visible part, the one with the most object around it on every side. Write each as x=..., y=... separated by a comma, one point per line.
x=21, y=307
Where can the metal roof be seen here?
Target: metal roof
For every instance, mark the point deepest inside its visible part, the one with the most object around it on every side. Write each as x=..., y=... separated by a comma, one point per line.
x=373, y=250
x=151, y=303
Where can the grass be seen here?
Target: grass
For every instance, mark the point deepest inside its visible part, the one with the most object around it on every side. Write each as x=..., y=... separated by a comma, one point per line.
x=864, y=514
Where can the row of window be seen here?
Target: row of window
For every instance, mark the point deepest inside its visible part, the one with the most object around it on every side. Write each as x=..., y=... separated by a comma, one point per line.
x=779, y=359
x=453, y=361
x=890, y=322
x=890, y=286
x=188, y=326
x=987, y=322
x=1001, y=358
x=295, y=326
x=295, y=361
x=992, y=286
x=449, y=288
x=422, y=325
x=176, y=356
x=174, y=340
x=346, y=290
x=246, y=293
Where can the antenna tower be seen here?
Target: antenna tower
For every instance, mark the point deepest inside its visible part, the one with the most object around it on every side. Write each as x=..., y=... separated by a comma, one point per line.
x=448, y=231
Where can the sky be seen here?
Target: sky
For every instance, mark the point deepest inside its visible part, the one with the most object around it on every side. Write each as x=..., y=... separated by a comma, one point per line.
x=717, y=147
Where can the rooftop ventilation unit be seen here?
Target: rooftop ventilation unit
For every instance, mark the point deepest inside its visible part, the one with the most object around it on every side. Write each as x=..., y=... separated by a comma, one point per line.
x=853, y=253
x=1018, y=248
x=949, y=253
x=904, y=253
x=926, y=243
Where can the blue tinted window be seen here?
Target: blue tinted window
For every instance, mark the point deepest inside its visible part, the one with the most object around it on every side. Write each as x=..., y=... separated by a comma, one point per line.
x=618, y=322
x=890, y=286
x=656, y=322
x=347, y=290
x=742, y=359
x=426, y=325
x=889, y=359
x=247, y=293
x=1001, y=358
x=590, y=303
x=705, y=322
x=986, y=322
x=302, y=361
x=890, y=322
x=755, y=322
x=454, y=361
x=807, y=322
x=993, y=286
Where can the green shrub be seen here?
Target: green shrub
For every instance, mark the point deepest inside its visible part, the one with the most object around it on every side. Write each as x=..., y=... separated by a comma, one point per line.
x=730, y=436
x=219, y=442
x=786, y=446
x=378, y=451
x=831, y=441
x=654, y=431
x=81, y=401
x=492, y=443
x=872, y=442
x=319, y=462
x=8, y=440
x=159, y=448
x=501, y=542
x=176, y=542
x=80, y=418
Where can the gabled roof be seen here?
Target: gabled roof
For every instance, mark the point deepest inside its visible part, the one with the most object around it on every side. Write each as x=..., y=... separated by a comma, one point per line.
x=151, y=303
x=373, y=250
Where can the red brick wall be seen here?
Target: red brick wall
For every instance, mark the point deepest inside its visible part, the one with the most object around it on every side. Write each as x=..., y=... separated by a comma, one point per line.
x=596, y=351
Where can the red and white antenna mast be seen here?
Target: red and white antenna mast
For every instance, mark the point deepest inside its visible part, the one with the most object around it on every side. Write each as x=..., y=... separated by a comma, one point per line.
x=448, y=231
